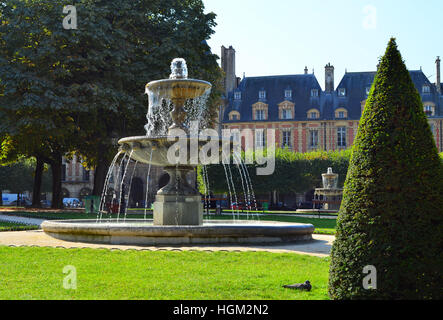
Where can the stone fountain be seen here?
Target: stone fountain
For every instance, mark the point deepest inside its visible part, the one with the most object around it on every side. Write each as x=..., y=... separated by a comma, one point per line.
x=178, y=209
x=330, y=196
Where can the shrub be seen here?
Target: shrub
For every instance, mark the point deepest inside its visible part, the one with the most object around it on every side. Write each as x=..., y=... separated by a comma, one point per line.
x=391, y=214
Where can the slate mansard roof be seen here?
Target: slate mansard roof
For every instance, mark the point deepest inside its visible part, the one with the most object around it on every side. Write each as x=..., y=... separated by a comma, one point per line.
x=354, y=83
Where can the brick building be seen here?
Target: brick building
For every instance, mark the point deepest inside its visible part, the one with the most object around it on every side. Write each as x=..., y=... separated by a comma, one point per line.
x=305, y=116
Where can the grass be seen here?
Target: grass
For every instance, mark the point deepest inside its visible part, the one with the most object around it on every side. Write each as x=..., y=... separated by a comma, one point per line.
x=322, y=226
x=13, y=226
x=37, y=273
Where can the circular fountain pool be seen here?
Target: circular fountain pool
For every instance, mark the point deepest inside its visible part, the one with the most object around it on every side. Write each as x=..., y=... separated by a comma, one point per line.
x=142, y=232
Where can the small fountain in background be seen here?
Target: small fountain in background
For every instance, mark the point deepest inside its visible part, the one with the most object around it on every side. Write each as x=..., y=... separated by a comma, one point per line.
x=174, y=104
x=330, y=196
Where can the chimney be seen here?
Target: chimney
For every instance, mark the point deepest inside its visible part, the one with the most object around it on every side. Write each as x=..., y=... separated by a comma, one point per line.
x=228, y=66
x=329, y=78
x=306, y=70
x=438, y=80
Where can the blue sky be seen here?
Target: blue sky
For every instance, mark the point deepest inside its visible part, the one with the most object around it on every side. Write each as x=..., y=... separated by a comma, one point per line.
x=283, y=36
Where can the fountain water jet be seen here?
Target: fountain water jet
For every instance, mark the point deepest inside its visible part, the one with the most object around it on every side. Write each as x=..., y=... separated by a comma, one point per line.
x=178, y=209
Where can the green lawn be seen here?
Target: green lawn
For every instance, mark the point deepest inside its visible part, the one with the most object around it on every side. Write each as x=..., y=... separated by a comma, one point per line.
x=13, y=226
x=322, y=226
x=37, y=273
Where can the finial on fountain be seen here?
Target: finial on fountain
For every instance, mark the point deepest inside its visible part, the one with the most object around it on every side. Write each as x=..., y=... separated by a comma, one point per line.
x=179, y=70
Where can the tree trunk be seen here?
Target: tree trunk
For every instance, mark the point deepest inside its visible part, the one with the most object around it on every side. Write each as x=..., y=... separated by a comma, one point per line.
x=36, y=190
x=56, y=168
x=99, y=177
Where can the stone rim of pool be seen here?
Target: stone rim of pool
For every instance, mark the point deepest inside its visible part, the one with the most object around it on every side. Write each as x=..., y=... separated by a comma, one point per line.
x=143, y=232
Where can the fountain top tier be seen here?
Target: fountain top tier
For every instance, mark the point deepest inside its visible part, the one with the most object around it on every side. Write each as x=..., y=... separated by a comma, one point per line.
x=177, y=89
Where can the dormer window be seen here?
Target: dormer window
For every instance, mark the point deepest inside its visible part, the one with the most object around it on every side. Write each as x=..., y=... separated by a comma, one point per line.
x=288, y=93
x=234, y=116
x=237, y=95
x=286, y=114
x=314, y=93
x=341, y=113
x=259, y=114
x=262, y=94
x=426, y=89
x=341, y=92
x=259, y=111
x=313, y=114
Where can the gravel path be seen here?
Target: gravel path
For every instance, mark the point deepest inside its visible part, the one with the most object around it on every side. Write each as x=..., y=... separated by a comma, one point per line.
x=320, y=246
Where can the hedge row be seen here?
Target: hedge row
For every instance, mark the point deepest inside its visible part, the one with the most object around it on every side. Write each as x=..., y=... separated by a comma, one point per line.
x=294, y=172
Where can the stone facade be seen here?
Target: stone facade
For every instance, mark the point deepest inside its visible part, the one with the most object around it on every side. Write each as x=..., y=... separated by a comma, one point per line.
x=307, y=118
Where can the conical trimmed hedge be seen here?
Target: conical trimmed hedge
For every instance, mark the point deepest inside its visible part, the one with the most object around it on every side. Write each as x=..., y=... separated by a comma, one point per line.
x=392, y=209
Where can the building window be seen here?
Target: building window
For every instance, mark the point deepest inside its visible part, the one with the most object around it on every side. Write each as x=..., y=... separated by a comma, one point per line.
x=286, y=141
x=341, y=113
x=260, y=114
x=260, y=139
x=286, y=114
x=314, y=93
x=64, y=172
x=262, y=94
x=85, y=174
x=235, y=135
x=341, y=136
x=429, y=110
x=426, y=89
x=237, y=95
x=313, y=114
x=288, y=93
x=342, y=92
x=313, y=138
x=234, y=116
x=432, y=128
x=368, y=89
x=259, y=111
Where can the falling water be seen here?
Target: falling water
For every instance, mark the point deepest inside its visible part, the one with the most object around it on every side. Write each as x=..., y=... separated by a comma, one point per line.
x=129, y=190
x=207, y=189
x=105, y=187
x=250, y=184
x=230, y=180
x=122, y=182
x=147, y=184
x=159, y=117
x=229, y=188
x=245, y=190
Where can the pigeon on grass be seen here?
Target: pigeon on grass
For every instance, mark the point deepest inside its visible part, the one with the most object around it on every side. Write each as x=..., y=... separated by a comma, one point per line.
x=300, y=286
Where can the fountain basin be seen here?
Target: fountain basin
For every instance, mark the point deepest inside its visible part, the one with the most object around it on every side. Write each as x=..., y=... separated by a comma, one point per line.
x=141, y=147
x=178, y=89
x=140, y=232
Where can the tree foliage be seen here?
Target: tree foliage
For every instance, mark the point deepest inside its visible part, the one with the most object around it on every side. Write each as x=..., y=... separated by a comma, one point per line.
x=78, y=90
x=391, y=214
x=18, y=177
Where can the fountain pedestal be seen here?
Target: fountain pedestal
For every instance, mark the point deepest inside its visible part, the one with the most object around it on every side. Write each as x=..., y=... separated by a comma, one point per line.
x=178, y=203
x=173, y=210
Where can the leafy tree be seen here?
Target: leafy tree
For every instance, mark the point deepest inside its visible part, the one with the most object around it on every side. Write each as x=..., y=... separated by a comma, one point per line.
x=390, y=216
x=34, y=106
x=78, y=90
x=18, y=177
